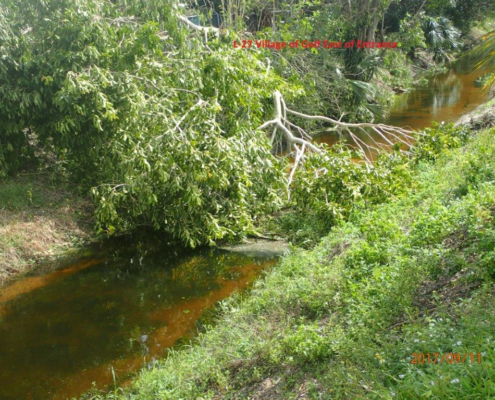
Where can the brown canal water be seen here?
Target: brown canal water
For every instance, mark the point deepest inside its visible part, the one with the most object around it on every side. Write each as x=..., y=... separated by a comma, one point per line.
x=119, y=305
x=446, y=97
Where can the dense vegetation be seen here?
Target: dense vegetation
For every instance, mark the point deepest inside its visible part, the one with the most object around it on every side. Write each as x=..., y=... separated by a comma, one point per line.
x=157, y=120
x=161, y=130
x=414, y=275
x=159, y=124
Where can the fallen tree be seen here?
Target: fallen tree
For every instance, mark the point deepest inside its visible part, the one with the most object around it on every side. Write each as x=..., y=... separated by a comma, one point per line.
x=162, y=127
x=299, y=141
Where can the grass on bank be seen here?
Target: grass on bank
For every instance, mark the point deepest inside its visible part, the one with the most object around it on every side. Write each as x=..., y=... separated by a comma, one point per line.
x=342, y=321
x=38, y=218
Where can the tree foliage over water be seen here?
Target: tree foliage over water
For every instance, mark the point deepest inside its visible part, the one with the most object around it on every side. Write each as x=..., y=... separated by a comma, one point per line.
x=161, y=127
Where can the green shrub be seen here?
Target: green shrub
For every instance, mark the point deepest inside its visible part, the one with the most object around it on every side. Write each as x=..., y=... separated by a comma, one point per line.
x=333, y=185
x=162, y=130
x=435, y=140
x=308, y=343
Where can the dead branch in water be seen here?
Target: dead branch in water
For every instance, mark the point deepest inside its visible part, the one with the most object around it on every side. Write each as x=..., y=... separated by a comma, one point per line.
x=299, y=140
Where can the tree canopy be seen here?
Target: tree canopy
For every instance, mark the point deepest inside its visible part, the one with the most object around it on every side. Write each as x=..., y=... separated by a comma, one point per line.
x=159, y=118
x=162, y=129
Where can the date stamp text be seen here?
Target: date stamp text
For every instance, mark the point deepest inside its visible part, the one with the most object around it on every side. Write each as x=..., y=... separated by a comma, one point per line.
x=446, y=358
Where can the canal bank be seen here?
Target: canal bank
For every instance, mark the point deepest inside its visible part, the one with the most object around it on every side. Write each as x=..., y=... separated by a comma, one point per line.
x=40, y=220
x=349, y=318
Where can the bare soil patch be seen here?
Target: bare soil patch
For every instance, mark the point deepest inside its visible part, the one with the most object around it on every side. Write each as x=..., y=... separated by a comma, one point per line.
x=38, y=219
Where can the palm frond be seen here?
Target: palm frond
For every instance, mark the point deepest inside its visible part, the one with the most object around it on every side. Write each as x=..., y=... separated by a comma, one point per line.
x=440, y=36
x=485, y=53
x=365, y=94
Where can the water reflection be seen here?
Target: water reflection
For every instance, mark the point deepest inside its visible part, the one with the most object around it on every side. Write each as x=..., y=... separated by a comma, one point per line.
x=127, y=303
x=445, y=97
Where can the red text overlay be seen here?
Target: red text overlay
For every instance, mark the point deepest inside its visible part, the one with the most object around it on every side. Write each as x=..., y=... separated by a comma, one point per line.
x=312, y=44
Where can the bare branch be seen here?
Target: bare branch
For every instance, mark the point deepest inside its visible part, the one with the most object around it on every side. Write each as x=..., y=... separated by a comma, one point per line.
x=381, y=127
x=303, y=143
x=205, y=29
x=299, y=156
x=357, y=140
x=200, y=103
x=277, y=121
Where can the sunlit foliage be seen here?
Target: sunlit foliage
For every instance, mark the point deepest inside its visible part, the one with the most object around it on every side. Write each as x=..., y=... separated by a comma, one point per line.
x=162, y=128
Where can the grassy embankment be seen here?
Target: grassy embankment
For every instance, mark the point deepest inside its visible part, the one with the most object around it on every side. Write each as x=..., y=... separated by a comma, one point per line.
x=415, y=275
x=39, y=218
